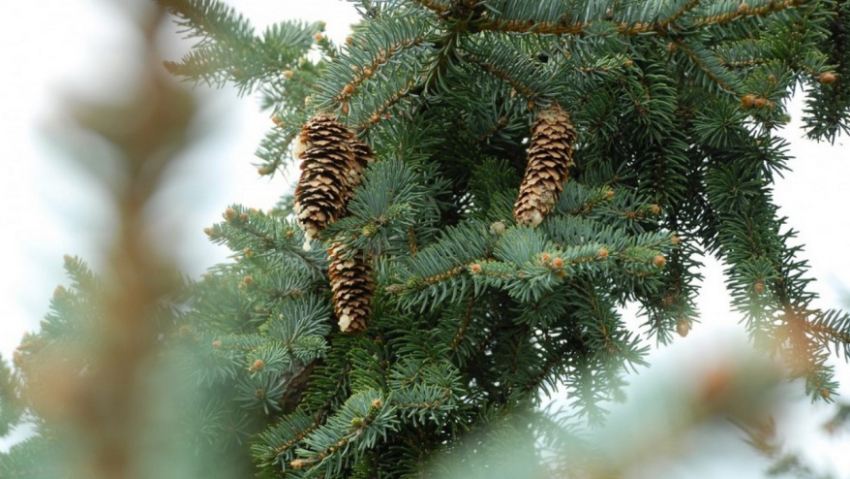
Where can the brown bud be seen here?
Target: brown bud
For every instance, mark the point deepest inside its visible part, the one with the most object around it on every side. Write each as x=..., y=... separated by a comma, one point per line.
x=743, y=7
x=67, y=258
x=675, y=240
x=297, y=464
x=544, y=258
x=683, y=327
x=287, y=74
x=216, y=344
x=498, y=228
x=557, y=263
x=760, y=102
x=609, y=194
x=659, y=261
x=475, y=268
x=826, y=78
x=248, y=281
x=243, y=216
x=655, y=209
x=59, y=291
x=672, y=47
x=258, y=365
x=629, y=63
x=247, y=252
x=377, y=402
x=530, y=105
x=748, y=100
x=348, y=90
x=345, y=108
x=602, y=253
x=184, y=330
x=349, y=41
x=771, y=78
x=824, y=393
x=319, y=37
x=229, y=214
x=759, y=287
x=208, y=231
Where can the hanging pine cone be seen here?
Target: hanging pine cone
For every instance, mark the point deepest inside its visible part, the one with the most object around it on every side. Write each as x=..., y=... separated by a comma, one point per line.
x=352, y=285
x=550, y=153
x=327, y=156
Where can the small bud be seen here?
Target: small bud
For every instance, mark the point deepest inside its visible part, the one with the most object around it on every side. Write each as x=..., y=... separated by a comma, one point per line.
x=672, y=47
x=349, y=41
x=760, y=102
x=683, y=327
x=258, y=365
x=743, y=7
x=498, y=228
x=557, y=263
x=243, y=216
x=247, y=252
x=675, y=240
x=824, y=393
x=609, y=194
x=184, y=330
x=287, y=74
x=348, y=90
x=262, y=171
x=59, y=291
x=377, y=403
x=772, y=78
x=67, y=258
x=748, y=100
x=277, y=121
x=513, y=93
x=345, y=108
x=289, y=234
x=759, y=287
x=544, y=258
x=229, y=214
x=297, y=464
x=475, y=268
x=826, y=78
x=629, y=63
x=248, y=281
x=602, y=253
x=208, y=231
x=655, y=209
x=216, y=344
x=319, y=37
x=530, y=105
x=659, y=261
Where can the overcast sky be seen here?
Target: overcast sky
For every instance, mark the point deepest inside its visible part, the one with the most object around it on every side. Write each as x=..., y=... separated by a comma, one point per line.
x=51, y=208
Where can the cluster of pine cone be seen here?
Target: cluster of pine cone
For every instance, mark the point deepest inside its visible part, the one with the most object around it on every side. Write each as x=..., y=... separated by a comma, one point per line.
x=332, y=164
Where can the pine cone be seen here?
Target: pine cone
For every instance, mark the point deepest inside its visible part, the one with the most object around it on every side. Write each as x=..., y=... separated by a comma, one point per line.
x=549, y=156
x=323, y=188
x=353, y=286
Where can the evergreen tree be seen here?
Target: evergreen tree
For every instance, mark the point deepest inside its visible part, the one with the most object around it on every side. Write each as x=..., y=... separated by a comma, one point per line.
x=484, y=185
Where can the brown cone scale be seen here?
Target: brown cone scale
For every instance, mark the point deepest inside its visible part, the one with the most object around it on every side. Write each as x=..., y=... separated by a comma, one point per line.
x=362, y=157
x=323, y=189
x=353, y=286
x=549, y=155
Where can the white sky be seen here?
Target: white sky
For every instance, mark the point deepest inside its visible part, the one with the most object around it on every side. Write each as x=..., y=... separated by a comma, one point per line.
x=52, y=208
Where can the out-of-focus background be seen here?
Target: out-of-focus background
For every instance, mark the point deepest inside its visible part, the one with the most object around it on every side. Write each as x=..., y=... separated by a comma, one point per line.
x=52, y=50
